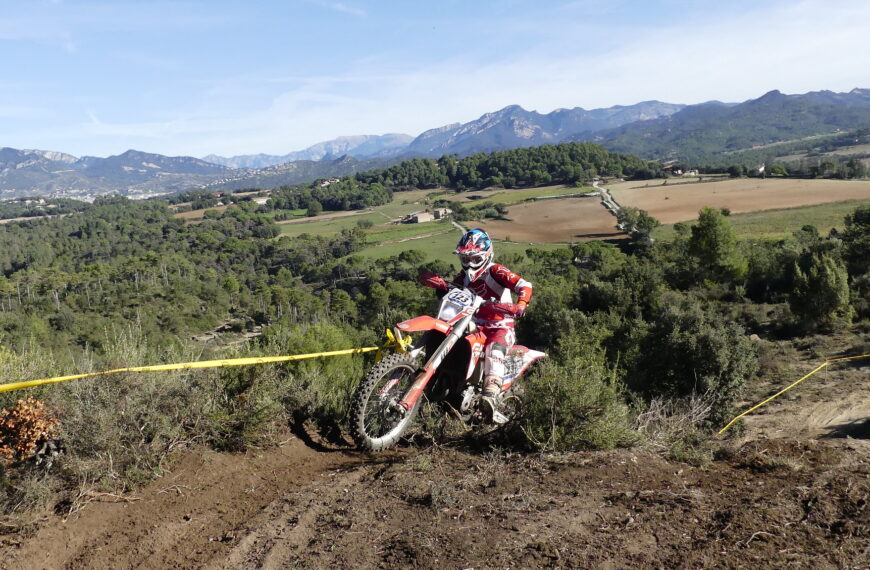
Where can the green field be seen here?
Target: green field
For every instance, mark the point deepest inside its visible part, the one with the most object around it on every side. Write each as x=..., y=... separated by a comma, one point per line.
x=403, y=203
x=440, y=247
x=329, y=226
x=408, y=202
x=391, y=232
x=435, y=247
x=510, y=197
x=779, y=224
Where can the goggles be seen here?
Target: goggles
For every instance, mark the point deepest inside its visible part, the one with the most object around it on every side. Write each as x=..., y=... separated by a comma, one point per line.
x=472, y=259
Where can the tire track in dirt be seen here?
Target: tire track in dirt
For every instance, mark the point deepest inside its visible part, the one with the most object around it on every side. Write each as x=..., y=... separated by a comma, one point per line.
x=183, y=520
x=283, y=530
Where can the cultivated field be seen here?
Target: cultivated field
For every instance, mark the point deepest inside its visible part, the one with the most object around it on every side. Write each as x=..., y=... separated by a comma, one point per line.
x=562, y=220
x=674, y=202
x=514, y=196
x=779, y=224
x=770, y=208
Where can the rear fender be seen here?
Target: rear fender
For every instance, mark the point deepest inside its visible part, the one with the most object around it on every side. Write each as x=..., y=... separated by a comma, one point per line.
x=423, y=323
x=528, y=356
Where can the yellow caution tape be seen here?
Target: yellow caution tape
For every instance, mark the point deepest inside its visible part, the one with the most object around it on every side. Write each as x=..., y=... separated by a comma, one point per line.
x=789, y=387
x=392, y=342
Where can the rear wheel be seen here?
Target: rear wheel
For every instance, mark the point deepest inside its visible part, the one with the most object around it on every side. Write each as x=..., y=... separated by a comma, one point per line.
x=377, y=422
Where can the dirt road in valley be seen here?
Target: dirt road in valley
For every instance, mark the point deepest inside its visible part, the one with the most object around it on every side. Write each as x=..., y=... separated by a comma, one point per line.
x=778, y=496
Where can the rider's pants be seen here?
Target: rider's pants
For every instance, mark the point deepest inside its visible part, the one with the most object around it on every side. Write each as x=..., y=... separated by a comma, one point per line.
x=498, y=342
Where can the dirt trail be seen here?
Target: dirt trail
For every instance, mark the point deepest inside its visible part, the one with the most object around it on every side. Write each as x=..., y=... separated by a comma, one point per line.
x=181, y=520
x=835, y=402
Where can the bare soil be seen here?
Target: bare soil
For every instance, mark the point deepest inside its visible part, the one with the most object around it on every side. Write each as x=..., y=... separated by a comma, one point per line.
x=792, y=491
x=562, y=220
x=678, y=201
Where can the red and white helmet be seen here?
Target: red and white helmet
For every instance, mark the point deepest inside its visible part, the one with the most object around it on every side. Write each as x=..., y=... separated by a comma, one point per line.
x=475, y=252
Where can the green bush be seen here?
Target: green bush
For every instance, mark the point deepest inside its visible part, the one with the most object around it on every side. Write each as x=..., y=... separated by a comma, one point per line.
x=820, y=298
x=688, y=350
x=319, y=388
x=573, y=401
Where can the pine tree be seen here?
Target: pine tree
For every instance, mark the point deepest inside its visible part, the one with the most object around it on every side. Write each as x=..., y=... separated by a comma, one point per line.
x=820, y=298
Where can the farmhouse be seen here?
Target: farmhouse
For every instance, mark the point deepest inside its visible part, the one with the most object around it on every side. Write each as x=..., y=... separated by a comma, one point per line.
x=442, y=213
x=260, y=199
x=421, y=217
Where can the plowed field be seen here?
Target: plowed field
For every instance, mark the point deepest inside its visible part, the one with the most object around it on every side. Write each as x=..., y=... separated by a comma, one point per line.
x=675, y=202
x=561, y=220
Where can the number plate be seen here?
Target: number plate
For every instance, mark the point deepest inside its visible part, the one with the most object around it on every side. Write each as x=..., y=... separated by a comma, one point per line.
x=460, y=297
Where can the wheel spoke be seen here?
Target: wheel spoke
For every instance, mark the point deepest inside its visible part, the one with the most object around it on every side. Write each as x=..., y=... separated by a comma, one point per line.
x=377, y=408
x=377, y=423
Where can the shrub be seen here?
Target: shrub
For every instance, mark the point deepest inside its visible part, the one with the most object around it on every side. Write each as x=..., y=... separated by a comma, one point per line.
x=820, y=298
x=715, y=248
x=574, y=402
x=320, y=387
x=688, y=350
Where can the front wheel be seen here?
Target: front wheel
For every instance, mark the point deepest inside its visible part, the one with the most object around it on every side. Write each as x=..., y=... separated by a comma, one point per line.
x=376, y=421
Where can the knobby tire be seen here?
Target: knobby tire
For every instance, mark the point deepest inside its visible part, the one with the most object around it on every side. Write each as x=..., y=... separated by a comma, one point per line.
x=369, y=410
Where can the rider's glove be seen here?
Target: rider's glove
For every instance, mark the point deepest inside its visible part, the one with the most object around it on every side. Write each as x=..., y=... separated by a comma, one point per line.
x=515, y=310
x=430, y=279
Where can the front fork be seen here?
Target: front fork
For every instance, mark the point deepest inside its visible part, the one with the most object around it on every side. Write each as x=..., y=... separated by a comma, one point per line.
x=413, y=395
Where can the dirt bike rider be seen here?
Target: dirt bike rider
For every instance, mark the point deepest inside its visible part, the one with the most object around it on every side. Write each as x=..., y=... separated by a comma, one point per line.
x=493, y=282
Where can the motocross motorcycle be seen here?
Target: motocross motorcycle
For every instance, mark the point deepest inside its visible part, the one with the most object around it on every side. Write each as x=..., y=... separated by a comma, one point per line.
x=386, y=401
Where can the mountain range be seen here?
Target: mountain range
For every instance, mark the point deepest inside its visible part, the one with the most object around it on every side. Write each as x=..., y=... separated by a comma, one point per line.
x=708, y=132
x=361, y=146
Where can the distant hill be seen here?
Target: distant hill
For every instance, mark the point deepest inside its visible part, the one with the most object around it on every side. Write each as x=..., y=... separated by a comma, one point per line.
x=706, y=132
x=361, y=147
x=514, y=127
x=297, y=172
x=133, y=173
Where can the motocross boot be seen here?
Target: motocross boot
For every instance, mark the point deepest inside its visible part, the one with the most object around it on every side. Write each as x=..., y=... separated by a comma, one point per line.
x=490, y=403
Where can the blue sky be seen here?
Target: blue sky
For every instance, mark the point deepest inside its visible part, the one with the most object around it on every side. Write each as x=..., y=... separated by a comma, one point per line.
x=232, y=77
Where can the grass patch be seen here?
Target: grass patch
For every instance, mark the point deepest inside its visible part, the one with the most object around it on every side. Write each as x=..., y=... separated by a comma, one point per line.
x=328, y=227
x=411, y=201
x=440, y=246
x=389, y=232
x=510, y=197
x=437, y=247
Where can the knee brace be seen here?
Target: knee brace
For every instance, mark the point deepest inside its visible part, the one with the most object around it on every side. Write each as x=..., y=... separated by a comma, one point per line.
x=494, y=363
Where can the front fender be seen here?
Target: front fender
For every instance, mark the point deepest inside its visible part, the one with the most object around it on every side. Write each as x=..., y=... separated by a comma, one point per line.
x=423, y=323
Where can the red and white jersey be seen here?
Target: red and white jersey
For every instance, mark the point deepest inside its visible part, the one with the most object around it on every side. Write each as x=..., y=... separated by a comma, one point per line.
x=496, y=283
